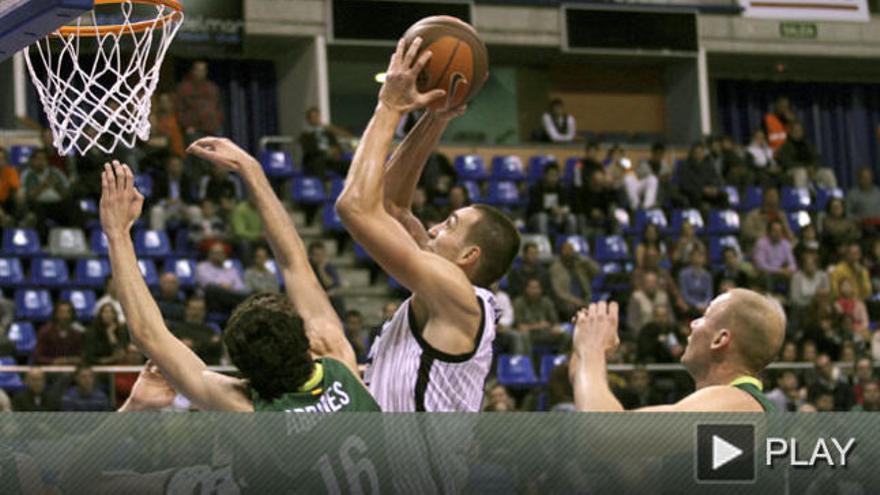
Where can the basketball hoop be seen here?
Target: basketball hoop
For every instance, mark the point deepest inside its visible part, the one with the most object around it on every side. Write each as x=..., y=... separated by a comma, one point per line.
x=96, y=76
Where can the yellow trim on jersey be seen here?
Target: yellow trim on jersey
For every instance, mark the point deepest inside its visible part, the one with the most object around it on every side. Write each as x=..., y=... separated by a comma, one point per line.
x=316, y=378
x=748, y=379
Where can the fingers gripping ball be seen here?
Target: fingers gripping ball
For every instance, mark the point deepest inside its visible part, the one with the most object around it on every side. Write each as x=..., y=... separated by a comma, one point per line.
x=459, y=62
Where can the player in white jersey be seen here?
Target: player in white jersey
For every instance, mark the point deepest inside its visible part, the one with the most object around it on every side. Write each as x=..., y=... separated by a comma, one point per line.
x=435, y=353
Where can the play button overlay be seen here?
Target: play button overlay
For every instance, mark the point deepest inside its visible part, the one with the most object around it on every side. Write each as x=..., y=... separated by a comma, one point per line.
x=725, y=453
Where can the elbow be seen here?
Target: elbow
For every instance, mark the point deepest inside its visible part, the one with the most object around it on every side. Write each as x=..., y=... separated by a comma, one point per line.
x=347, y=207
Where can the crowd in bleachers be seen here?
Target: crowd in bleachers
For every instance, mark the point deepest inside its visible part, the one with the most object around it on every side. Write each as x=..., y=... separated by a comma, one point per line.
x=660, y=236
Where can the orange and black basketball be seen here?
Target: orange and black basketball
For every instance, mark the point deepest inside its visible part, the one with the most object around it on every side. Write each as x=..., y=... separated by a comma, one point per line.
x=459, y=63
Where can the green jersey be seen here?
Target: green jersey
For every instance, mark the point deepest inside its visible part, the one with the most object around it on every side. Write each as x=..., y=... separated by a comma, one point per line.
x=753, y=387
x=338, y=390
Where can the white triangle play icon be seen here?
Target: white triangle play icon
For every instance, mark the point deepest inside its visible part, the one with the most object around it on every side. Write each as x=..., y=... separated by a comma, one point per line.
x=723, y=452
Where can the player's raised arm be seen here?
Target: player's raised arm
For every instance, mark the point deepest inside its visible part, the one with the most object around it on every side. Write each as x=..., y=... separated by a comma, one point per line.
x=322, y=325
x=595, y=334
x=120, y=206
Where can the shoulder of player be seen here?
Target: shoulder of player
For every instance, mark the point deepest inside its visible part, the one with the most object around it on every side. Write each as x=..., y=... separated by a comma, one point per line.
x=450, y=292
x=720, y=398
x=232, y=393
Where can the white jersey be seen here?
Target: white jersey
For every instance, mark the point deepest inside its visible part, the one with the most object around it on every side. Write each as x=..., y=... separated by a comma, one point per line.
x=406, y=374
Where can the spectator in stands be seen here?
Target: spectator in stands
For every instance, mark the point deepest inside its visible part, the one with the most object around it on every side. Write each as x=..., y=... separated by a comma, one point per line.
x=588, y=164
x=35, y=397
x=222, y=285
x=640, y=183
x=220, y=188
x=776, y=122
x=84, y=396
x=873, y=264
x=806, y=282
x=7, y=316
x=732, y=268
x=863, y=201
x=170, y=299
x=438, y=176
x=695, y=284
x=202, y=338
x=800, y=160
x=357, y=335
x=5, y=402
x=166, y=132
x=594, y=203
x=320, y=146
x=63, y=163
x=736, y=170
x=864, y=374
x=852, y=269
x=174, y=195
x=504, y=328
x=789, y=352
x=665, y=281
x=457, y=198
x=247, y=229
x=537, y=321
x=640, y=392
x=198, y=103
x=640, y=310
x=209, y=228
x=60, y=341
x=774, y=257
x=837, y=229
x=109, y=297
x=616, y=165
x=46, y=194
x=257, y=277
x=9, y=184
x=870, y=398
x=760, y=156
x=559, y=390
x=700, y=182
x=570, y=278
x=105, y=338
x=530, y=267
x=848, y=305
x=826, y=378
x=558, y=126
x=550, y=205
x=808, y=240
x=650, y=239
x=664, y=169
x=327, y=274
x=755, y=223
x=787, y=395
x=424, y=211
x=660, y=340
x=686, y=244
x=498, y=399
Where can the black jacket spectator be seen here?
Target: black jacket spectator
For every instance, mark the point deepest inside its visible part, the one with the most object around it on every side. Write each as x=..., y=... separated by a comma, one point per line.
x=700, y=181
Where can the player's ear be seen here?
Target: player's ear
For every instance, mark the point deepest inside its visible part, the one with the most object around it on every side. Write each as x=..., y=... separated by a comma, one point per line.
x=721, y=340
x=471, y=255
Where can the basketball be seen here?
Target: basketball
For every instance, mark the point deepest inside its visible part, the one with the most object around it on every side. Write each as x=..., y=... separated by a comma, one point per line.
x=459, y=63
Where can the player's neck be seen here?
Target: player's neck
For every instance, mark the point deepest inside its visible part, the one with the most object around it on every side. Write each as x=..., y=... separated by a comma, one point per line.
x=721, y=374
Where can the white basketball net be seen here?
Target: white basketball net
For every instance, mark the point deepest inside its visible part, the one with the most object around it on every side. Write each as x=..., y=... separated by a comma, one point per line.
x=102, y=96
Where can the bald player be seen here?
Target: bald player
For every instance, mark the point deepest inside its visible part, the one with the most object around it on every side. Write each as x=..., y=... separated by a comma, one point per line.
x=740, y=333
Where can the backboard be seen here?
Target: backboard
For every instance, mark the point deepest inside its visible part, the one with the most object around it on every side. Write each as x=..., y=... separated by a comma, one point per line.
x=24, y=22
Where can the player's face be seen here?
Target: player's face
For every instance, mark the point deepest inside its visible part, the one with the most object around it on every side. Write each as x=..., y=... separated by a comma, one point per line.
x=447, y=239
x=696, y=354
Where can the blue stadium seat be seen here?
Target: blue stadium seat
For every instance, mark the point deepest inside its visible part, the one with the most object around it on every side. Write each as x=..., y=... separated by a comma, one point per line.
x=473, y=190
x=23, y=335
x=611, y=248
x=21, y=242
x=11, y=272
x=717, y=245
x=88, y=206
x=277, y=164
x=679, y=217
x=49, y=272
x=83, y=302
x=336, y=187
x=723, y=222
x=19, y=155
x=507, y=167
x=581, y=246
x=144, y=184
x=733, y=199
x=10, y=382
x=515, y=371
x=308, y=190
x=548, y=362
x=272, y=266
x=98, y=242
x=503, y=193
x=152, y=243
x=795, y=198
x=330, y=219
x=537, y=164
x=654, y=216
x=184, y=269
x=798, y=220
x=571, y=166
x=623, y=219
x=234, y=263
x=183, y=246
x=33, y=304
x=754, y=198
x=148, y=270
x=824, y=196
x=470, y=167
x=91, y=272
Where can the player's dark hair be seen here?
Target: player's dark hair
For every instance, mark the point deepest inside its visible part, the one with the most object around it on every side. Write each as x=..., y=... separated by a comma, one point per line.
x=498, y=239
x=267, y=342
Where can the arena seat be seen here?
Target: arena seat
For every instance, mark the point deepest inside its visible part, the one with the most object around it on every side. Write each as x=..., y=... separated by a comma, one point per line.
x=537, y=164
x=183, y=247
x=272, y=266
x=152, y=243
x=330, y=219
x=23, y=335
x=717, y=245
x=33, y=304
x=10, y=382
x=91, y=272
x=622, y=218
x=277, y=164
x=545, y=249
x=470, y=167
x=473, y=190
x=572, y=163
x=795, y=198
x=184, y=269
x=11, y=272
x=611, y=248
x=824, y=196
x=308, y=190
x=336, y=187
x=581, y=246
x=98, y=242
x=679, y=217
x=236, y=264
x=88, y=206
x=19, y=155
x=798, y=220
x=733, y=199
x=67, y=242
x=723, y=222
x=144, y=184
x=149, y=272
x=83, y=302
x=507, y=167
x=21, y=242
x=504, y=193
x=548, y=362
x=49, y=272
x=654, y=216
x=754, y=198
x=516, y=371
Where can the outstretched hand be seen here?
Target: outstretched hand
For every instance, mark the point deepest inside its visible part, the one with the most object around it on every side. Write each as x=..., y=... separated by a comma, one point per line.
x=399, y=92
x=596, y=328
x=223, y=153
x=151, y=391
x=121, y=202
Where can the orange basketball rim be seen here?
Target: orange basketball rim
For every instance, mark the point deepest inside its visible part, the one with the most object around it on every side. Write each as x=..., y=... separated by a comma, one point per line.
x=175, y=7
